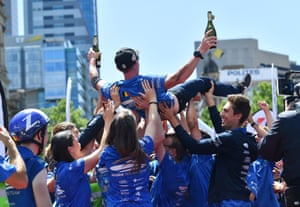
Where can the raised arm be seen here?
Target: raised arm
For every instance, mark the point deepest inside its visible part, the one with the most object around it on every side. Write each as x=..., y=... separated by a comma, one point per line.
x=186, y=71
x=206, y=146
x=92, y=159
x=154, y=126
x=192, y=120
x=212, y=109
x=261, y=132
x=266, y=109
x=18, y=179
x=95, y=79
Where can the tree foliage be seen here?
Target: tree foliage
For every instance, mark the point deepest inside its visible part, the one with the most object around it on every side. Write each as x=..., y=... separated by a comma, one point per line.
x=58, y=114
x=263, y=92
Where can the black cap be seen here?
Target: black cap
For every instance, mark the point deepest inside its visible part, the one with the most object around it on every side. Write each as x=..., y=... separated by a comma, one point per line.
x=125, y=58
x=94, y=126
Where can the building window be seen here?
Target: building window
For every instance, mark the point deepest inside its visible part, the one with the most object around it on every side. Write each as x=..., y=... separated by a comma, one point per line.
x=69, y=16
x=69, y=34
x=48, y=17
x=69, y=25
x=49, y=35
x=48, y=26
x=69, y=7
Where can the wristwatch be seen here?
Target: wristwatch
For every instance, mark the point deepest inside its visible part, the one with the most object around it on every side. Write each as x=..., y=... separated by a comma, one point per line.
x=198, y=54
x=253, y=124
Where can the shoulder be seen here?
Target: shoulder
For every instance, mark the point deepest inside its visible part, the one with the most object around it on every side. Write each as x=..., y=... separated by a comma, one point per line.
x=109, y=153
x=287, y=114
x=145, y=140
x=147, y=144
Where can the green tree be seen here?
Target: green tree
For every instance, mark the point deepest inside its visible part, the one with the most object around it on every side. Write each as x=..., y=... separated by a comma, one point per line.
x=263, y=92
x=58, y=114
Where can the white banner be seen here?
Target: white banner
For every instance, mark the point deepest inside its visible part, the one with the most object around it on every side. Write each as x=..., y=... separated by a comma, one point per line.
x=257, y=74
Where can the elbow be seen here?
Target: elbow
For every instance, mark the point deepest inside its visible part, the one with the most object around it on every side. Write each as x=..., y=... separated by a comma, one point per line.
x=22, y=183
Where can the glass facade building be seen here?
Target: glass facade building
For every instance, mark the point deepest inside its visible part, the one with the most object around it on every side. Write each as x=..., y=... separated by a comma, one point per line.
x=65, y=30
x=42, y=67
x=74, y=20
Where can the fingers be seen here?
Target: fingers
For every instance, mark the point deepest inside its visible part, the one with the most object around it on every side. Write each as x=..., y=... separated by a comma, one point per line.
x=92, y=54
x=149, y=89
x=114, y=90
x=207, y=42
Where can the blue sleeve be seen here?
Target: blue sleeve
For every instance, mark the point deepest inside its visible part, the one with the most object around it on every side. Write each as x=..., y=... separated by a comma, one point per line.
x=105, y=89
x=76, y=168
x=6, y=169
x=102, y=157
x=205, y=146
x=251, y=179
x=147, y=144
x=216, y=119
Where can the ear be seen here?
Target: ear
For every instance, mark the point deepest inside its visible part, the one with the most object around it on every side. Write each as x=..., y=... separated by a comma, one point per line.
x=238, y=116
x=38, y=135
x=70, y=150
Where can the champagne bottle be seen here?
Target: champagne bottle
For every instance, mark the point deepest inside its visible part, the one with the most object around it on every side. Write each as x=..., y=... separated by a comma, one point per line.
x=96, y=49
x=210, y=25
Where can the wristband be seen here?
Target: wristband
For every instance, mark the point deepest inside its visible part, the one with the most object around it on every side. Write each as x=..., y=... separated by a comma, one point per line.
x=152, y=102
x=94, y=81
x=198, y=54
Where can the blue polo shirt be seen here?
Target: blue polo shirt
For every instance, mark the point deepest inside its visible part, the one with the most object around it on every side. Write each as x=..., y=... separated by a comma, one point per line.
x=133, y=87
x=199, y=173
x=260, y=180
x=72, y=185
x=34, y=164
x=171, y=184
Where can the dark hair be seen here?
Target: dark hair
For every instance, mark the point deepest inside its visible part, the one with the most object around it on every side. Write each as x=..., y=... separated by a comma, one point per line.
x=123, y=136
x=240, y=105
x=59, y=146
x=178, y=145
x=125, y=58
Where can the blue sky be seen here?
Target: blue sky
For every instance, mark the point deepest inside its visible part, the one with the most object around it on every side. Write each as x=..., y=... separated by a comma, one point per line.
x=164, y=31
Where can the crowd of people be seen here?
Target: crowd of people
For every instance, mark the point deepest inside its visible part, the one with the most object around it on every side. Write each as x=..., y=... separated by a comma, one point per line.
x=144, y=147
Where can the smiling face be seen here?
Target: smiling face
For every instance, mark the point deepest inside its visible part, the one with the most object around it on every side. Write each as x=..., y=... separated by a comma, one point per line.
x=229, y=119
x=74, y=150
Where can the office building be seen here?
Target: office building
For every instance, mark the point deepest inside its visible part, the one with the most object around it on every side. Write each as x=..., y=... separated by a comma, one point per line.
x=67, y=28
x=3, y=76
x=39, y=69
x=241, y=56
x=74, y=20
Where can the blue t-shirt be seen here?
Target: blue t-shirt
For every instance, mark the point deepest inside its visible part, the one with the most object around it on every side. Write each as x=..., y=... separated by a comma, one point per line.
x=170, y=186
x=6, y=169
x=124, y=185
x=199, y=174
x=102, y=176
x=34, y=165
x=133, y=87
x=72, y=185
x=260, y=180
